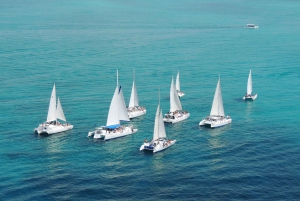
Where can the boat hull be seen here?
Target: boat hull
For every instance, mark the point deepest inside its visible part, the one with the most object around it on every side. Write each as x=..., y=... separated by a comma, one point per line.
x=52, y=129
x=159, y=145
x=108, y=135
x=177, y=118
x=180, y=93
x=136, y=113
x=216, y=122
x=250, y=98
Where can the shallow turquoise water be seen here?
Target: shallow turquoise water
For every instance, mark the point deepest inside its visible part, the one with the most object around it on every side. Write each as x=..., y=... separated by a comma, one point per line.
x=80, y=45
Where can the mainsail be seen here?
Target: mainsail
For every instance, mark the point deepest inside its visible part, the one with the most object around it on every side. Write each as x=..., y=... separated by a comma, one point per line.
x=117, y=110
x=162, y=130
x=159, y=126
x=177, y=82
x=174, y=99
x=134, y=101
x=249, y=84
x=52, y=106
x=156, y=124
x=217, y=106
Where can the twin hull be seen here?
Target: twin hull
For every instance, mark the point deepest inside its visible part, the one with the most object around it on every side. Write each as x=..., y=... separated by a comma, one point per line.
x=136, y=113
x=51, y=129
x=107, y=135
x=159, y=147
x=177, y=118
x=216, y=123
x=251, y=98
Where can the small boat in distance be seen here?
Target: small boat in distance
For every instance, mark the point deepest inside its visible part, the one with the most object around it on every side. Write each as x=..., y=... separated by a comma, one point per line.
x=176, y=113
x=248, y=95
x=134, y=109
x=117, y=112
x=56, y=121
x=217, y=116
x=180, y=93
x=159, y=141
x=251, y=26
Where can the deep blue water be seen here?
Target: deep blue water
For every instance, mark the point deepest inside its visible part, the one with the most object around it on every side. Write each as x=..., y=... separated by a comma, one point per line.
x=79, y=45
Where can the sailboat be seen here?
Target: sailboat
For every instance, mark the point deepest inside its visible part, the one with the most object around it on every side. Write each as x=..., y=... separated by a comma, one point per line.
x=56, y=121
x=180, y=93
x=176, y=113
x=217, y=116
x=117, y=112
x=248, y=95
x=159, y=141
x=134, y=109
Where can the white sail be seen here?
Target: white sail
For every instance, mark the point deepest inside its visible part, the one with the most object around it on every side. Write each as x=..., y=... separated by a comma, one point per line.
x=117, y=110
x=162, y=130
x=134, y=101
x=52, y=106
x=217, y=106
x=122, y=111
x=174, y=99
x=177, y=82
x=249, y=84
x=59, y=111
x=112, y=117
x=156, y=124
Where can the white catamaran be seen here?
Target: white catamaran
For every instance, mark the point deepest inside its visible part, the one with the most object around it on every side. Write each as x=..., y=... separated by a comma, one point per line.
x=180, y=93
x=176, y=113
x=217, y=116
x=134, y=109
x=159, y=141
x=56, y=120
x=117, y=112
x=248, y=95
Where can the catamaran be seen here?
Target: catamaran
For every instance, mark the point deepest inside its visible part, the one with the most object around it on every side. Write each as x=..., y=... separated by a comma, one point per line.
x=176, y=113
x=134, y=109
x=217, y=116
x=56, y=121
x=251, y=26
x=180, y=93
x=248, y=95
x=117, y=112
x=159, y=141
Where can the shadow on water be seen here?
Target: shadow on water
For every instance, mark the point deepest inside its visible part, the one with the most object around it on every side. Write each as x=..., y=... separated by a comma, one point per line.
x=240, y=100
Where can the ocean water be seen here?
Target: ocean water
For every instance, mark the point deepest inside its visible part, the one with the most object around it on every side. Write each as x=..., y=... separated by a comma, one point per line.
x=79, y=45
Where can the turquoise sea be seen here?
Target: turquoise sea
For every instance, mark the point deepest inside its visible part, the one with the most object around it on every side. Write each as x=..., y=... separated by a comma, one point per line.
x=79, y=46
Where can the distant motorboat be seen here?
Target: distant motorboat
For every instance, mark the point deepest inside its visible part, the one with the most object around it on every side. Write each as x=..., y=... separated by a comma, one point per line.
x=55, y=115
x=217, y=116
x=251, y=26
x=179, y=92
x=176, y=114
x=159, y=141
x=249, y=95
x=117, y=112
x=134, y=109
